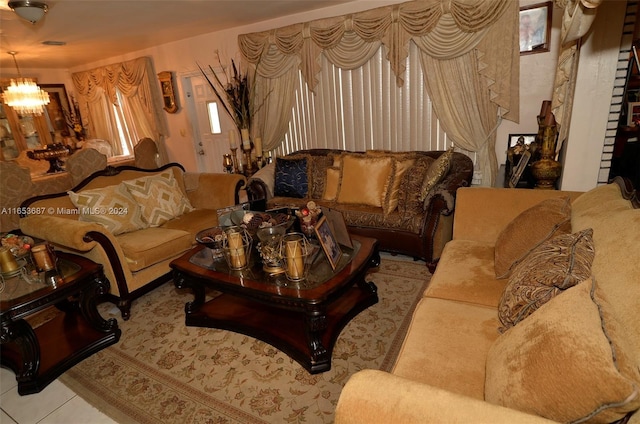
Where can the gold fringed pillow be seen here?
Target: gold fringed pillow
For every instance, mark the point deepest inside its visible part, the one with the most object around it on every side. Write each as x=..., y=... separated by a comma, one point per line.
x=554, y=266
x=111, y=206
x=365, y=180
x=529, y=229
x=331, y=184
x=436, y=172
x=569, y=361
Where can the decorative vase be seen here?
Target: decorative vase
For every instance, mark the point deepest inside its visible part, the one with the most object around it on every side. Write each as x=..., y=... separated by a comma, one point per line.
x=547, y=170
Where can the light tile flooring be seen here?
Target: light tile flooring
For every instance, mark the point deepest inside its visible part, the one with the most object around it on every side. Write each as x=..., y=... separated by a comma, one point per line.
x=56, y=404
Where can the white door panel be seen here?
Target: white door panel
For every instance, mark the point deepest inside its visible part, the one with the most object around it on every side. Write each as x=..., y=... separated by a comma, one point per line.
x=209, y=147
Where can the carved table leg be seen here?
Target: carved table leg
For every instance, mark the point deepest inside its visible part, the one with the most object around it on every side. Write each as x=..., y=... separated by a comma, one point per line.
x=96, y=288
x=182, y=282
x=21, y=333
x=316, y=324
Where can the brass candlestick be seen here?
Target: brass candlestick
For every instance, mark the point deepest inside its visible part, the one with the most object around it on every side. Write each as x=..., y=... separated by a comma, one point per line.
x=236, y=168
x=247, y=155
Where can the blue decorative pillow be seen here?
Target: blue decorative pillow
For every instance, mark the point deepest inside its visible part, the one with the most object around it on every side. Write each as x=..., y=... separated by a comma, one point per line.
x=292, y=179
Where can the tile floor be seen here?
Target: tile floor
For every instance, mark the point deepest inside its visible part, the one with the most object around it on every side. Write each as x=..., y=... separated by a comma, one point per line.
x=56, y=404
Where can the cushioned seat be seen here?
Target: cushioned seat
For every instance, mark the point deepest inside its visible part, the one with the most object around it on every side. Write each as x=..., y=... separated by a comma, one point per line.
x=452, y=357
x=194, y=221
x=149, y=246
x=467, y=274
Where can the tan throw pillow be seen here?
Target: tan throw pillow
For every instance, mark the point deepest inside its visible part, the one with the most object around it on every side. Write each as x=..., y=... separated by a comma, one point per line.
x=555, y=265
x=436, y=172
x=569, y=361
x=332, y=184
x=159, y=197
x=111, y=206
x=365, y=180
x=532, y=227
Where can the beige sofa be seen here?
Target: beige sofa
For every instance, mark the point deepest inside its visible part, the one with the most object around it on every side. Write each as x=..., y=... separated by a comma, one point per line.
x=136, y=222
x=379, y=193
x=574, y=359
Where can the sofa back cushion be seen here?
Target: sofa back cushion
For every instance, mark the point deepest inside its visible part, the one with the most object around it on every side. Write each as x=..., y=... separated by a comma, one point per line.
x=529, y=229
x=568, y=361
x=616, y=235
x=365, y=179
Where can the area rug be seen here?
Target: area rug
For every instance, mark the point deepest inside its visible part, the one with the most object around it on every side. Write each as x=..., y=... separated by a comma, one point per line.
x=164, y=372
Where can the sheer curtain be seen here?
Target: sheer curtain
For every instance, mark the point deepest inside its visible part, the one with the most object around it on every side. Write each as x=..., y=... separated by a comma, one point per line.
x=482, y=34
x=128, y=90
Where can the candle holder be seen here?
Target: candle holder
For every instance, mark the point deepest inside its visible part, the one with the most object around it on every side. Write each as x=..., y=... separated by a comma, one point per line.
x=296, y=251
x=247, y=155
x=236, y=247
x=236, y=168
x=227, y=163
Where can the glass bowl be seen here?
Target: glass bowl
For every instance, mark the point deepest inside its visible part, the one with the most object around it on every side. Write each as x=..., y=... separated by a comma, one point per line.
x=252, y=221
x=211, y=237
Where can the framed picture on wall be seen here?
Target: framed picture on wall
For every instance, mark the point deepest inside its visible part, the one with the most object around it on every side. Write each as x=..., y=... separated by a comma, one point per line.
x=633, y=114
x=535, y=28
x=58, y=107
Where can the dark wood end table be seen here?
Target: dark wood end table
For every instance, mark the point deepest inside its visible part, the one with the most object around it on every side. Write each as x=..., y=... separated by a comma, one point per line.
x=301, y=319
x=40, y=355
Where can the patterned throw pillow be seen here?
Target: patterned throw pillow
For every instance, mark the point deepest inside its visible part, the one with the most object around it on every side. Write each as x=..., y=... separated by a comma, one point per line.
x=111, y=206
x=436, y=172
x=550, y=268
x=571, y=361
x=159, y=197
x=533, y=226
x=292, y=179
x=408, y=201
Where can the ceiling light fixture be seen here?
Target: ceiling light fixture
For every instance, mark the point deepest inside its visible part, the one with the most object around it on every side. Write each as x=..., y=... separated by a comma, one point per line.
x=24, y=95
x=30, y=10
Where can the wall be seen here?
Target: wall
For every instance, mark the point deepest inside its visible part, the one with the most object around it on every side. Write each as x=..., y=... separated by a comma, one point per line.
x=537, y=72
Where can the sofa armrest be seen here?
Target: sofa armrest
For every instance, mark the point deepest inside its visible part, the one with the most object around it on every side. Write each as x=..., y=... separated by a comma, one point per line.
x=214, y=191
x=69, y=233
x=372, y=396
x=482, y=212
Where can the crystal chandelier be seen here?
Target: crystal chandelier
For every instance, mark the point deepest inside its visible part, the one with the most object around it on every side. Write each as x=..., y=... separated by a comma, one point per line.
x=24, y=95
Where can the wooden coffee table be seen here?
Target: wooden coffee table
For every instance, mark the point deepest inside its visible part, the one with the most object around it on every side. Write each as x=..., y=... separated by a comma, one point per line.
x=39, y=355
x=301, y=319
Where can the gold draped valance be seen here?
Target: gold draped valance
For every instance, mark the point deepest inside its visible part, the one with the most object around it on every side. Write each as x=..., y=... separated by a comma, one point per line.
x=443, y=29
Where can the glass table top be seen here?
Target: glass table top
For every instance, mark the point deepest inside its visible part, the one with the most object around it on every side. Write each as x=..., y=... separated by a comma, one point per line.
x=26, y=281
x=319, y=272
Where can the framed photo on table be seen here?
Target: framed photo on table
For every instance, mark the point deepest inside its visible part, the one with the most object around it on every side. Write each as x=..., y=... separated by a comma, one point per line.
x=535, y=28
x=58, y=108
x=328, y=242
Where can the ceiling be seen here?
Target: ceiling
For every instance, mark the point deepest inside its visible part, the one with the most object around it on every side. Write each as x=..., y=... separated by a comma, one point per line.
x=98, y=29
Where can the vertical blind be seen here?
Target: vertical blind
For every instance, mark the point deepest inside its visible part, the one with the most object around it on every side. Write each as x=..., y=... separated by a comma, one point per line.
x=363, y=109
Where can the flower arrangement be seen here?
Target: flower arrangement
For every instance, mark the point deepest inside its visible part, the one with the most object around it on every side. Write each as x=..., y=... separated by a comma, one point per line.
x=234, y=92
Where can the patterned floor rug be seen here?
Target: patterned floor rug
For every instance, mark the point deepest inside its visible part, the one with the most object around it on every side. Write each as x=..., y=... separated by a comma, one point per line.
x=164, y=372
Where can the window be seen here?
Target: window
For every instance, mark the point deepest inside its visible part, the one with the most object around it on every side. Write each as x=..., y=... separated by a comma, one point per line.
x=214, y=118
x=363, y=109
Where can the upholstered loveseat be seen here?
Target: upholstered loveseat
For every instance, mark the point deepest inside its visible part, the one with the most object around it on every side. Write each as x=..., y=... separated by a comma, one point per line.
x=556, y=339
x=133, y=221
x=404, y=199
